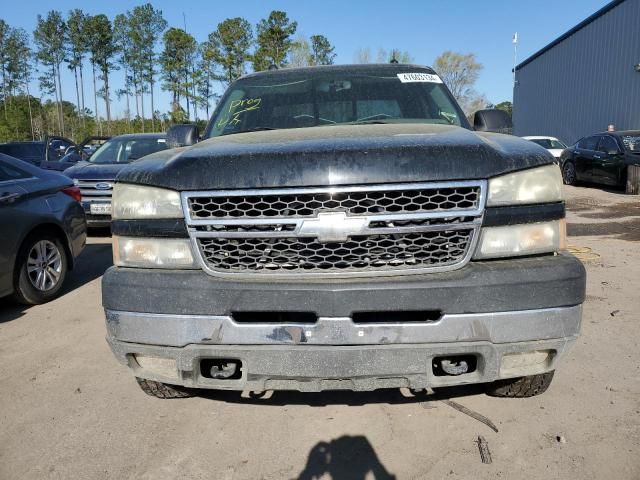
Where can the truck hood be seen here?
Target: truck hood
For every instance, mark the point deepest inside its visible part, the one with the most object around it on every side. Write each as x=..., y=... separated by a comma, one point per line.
x=93, y=171
x=336, y=155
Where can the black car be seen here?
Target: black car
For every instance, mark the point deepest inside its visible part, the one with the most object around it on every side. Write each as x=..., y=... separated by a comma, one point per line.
x=601, y=158
x=96, y=175
x=45, y=154
x=43, y=230
x=342, y=227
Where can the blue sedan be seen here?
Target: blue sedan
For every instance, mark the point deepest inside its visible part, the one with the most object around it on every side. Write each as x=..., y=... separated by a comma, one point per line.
x=43, y=230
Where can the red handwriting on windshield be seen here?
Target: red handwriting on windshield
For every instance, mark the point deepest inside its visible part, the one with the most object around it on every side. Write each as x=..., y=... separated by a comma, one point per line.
x=236, y=109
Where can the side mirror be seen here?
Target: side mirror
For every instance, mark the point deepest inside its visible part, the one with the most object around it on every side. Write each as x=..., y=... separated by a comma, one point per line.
x=182, y=136
x=494, y=120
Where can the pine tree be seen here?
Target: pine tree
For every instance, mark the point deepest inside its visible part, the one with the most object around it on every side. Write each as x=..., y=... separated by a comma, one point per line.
x=322, y=52
x=274, y=40
x=77, y=43
x=148, y=24
x=50, y=50
x=179, y=49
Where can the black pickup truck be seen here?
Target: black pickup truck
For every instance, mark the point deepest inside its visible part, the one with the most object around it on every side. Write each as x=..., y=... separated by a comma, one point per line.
x=342, y=227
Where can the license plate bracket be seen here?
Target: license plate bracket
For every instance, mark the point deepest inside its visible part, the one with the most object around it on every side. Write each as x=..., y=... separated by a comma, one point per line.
x=100, y=209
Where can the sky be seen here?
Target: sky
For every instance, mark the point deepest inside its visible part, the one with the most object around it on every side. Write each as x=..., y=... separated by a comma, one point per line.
x=424, y=28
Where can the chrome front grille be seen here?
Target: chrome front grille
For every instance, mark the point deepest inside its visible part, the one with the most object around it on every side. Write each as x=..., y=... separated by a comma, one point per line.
x=91, y=192
x=358, y=202
x=367, y=253
x=368, y=230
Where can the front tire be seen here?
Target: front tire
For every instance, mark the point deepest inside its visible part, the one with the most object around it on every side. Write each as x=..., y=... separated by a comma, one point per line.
x=162, y=390
x=41, y=269
x=569, y=173
x=523, y=387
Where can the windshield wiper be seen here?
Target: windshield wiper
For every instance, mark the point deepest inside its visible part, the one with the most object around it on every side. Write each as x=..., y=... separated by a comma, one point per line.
x=252, y=129
x=371, y=122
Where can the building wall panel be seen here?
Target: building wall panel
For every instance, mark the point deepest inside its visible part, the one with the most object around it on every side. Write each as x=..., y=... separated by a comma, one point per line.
x=585, y=82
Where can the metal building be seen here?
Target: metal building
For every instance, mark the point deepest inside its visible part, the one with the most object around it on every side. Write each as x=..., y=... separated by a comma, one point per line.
x=585, y=80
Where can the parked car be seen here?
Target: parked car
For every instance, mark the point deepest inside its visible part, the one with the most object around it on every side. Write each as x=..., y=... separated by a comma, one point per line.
x=80, y=152
x=342, y=227
x=602, y=158
x=552, y=144
x=96, y=175
x=39, y=153
x=43, y=230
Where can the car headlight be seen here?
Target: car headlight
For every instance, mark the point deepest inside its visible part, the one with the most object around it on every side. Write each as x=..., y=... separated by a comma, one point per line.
x=535, y=185
x=137, y=201
x=520, y=240
x=153, y=252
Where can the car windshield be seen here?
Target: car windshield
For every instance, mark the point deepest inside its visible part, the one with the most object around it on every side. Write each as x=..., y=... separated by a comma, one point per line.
x=631, y=143
x=126, y=150
x=549, y=143
x=275, y=102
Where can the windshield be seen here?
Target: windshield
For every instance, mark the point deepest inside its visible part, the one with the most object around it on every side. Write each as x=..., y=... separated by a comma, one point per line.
x=264, y=103
x=126, y=150
x=549, y=144
x=631, y=143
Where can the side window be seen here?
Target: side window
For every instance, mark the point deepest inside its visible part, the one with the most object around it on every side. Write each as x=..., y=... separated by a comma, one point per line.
x=8, y=173
x=608, y=144
x=588, y=143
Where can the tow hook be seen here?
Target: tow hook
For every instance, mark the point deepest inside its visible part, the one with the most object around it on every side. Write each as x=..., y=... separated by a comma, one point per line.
x=454, y=368
x=222, y=370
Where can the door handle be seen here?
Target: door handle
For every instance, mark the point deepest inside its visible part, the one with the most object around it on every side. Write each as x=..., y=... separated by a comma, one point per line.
x=9, y=197
x=597, y=157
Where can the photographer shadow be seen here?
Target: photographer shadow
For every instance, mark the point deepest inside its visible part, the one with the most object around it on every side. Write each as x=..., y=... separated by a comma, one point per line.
x=345, y=458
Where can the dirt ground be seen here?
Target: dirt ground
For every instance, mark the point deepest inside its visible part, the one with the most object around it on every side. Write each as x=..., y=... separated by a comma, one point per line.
x=68, y=410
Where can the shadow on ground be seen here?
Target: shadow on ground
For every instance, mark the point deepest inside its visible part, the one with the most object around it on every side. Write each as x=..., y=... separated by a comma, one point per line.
x=91, y=264
x=391, y=396
x=345, y=458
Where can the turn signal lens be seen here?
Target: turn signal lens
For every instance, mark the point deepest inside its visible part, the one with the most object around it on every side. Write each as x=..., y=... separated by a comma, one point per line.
x=520, y=240
x=152, y=252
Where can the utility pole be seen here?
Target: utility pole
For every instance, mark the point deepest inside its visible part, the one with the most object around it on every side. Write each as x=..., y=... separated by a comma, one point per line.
x=514, y=40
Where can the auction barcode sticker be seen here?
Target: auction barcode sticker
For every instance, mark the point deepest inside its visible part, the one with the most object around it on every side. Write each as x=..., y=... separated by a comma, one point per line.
x=419, y=77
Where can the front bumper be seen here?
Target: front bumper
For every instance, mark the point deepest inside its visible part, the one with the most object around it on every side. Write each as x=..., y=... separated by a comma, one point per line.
x=489, y=310
x=335, y=353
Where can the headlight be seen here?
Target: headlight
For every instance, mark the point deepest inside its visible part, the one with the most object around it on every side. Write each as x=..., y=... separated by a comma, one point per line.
x=137, y=201
x=152, y=252
x=536, y=185
x=519, y=240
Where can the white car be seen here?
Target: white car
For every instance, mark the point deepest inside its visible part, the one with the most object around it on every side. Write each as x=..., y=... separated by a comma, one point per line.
x=552, y=144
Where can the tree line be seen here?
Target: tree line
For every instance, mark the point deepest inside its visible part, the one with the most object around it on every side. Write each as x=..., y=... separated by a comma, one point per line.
x=141, y=47
x=140, y=52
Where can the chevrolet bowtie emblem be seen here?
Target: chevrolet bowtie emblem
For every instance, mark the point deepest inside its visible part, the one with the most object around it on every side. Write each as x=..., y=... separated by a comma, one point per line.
x=333, y=227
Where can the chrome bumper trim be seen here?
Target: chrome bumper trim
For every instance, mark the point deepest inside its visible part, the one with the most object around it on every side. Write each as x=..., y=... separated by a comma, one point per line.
x=498, y=327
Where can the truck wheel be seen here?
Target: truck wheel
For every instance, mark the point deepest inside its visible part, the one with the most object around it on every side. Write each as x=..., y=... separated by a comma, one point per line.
x=569, y=173
x=41, y=268
x=522, y=387
x=162, y=390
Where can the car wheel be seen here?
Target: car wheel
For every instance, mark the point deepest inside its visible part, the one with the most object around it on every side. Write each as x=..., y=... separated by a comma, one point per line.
x=569, y=173
x=163, y=390
x=523, y=387
x=41, y=270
